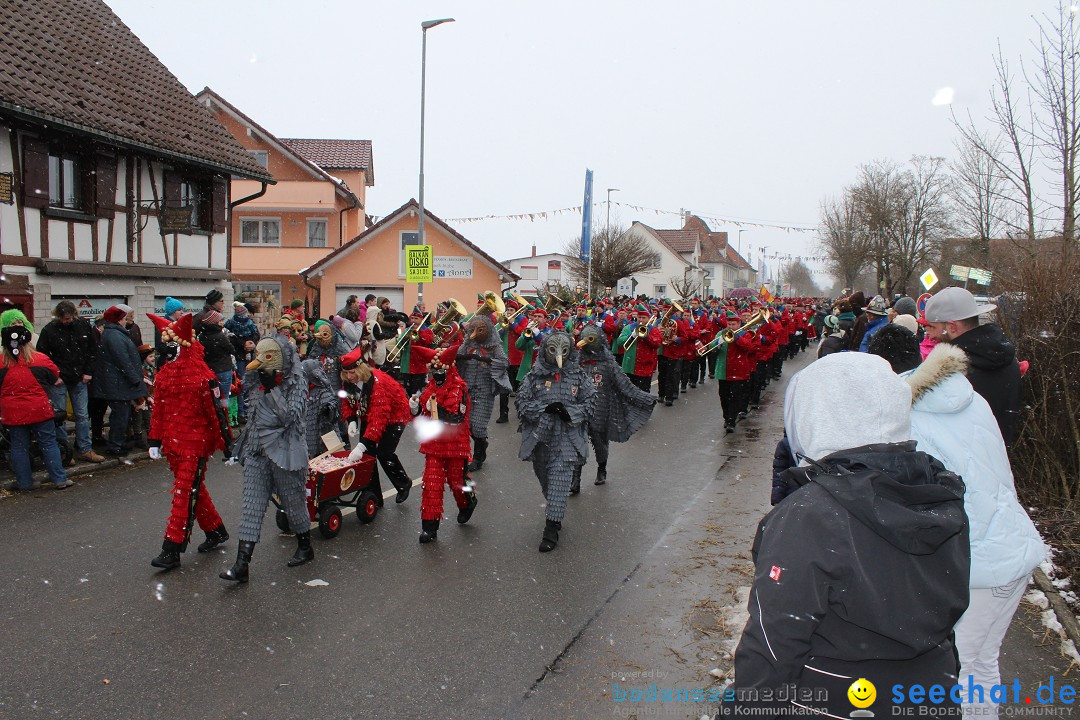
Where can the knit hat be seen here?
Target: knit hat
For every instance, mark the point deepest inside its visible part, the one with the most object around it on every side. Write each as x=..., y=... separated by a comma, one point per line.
x=240, y=308
x=338, y=321
x=898, y=345
x=9, y=317
x=820, y=420
x=172, y=305
x=126, y=308
x=832, y=322
x=906, y=306
x=296, y=304
x=145, y=350
x=14, y=337
x=213, y=317
x=114, y=314
x=907, y=321
x=214, y=296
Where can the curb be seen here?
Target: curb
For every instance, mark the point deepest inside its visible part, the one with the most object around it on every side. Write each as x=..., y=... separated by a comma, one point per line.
x=88, y=468
x=1065, y=616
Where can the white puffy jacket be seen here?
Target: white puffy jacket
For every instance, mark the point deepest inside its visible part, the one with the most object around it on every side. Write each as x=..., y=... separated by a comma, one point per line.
x=950, y=421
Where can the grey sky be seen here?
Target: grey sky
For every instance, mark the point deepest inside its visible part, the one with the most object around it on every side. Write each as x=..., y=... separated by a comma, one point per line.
x=743, y=110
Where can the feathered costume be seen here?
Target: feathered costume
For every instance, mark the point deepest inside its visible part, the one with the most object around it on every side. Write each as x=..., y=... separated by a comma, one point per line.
x=446, y=399
x=188, y=425
x=554, y=403
x=620, y=408
x=323, y=407
x=482, y=364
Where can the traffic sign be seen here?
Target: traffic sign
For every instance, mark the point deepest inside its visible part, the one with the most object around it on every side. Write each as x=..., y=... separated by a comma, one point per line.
x=929, y=279
x=419, y=263
x=921, y=303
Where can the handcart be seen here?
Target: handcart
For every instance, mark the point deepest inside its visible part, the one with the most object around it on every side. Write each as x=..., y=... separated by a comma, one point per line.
x=349, y=485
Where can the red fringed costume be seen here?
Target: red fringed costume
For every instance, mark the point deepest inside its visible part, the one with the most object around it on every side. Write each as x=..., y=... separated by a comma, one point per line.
x=189, y=425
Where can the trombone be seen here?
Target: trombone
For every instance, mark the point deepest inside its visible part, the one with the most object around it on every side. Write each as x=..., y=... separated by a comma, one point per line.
x=407, y=337
x=507, y=320
x=728, y=336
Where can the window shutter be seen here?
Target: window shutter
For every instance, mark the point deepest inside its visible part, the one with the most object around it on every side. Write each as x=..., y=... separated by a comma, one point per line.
x=104, y=184
x=217, y=205
x=35, y=176
x=170, y=182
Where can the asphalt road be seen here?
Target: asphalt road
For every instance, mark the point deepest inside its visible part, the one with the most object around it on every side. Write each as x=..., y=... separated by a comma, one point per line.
x=464, y=627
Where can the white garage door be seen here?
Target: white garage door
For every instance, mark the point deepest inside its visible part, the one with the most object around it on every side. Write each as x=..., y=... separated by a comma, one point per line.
x=396, y=295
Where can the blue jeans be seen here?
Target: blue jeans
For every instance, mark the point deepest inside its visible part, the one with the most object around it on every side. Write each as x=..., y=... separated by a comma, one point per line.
x=45, y=432
x=225, y=381
x=78, y=395
x=119, y=417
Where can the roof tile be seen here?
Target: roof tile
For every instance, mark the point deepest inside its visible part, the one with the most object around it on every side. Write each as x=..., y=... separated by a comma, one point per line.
x=333, y=154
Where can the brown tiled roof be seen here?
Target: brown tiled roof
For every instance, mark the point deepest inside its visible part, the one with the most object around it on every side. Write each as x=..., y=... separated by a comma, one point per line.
x=392, y=217
x=711, y=251
x=681, y=241
x=333, y=154
x=74, y=64
x=737, y=260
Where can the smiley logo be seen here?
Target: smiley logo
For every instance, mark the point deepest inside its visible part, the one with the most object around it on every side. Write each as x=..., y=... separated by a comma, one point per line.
x=862, y=693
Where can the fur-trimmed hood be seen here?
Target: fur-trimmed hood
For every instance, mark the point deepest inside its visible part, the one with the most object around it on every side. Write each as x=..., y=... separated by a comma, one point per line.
x=944, y=361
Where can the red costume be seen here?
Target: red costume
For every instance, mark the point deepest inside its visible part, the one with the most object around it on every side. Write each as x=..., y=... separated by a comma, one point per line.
x=187, y=426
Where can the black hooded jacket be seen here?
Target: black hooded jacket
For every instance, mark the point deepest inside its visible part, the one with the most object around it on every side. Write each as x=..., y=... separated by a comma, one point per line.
x=994, y=373
x=860, y=573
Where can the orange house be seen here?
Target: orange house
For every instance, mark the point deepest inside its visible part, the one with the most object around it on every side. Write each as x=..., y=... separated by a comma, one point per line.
x=317, y=203
x=374, y=262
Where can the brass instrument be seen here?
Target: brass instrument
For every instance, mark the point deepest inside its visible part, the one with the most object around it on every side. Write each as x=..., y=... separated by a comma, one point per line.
x=491, y=301
x=728, y=336
x=507, y=320
x=550, y=304
x=639, y=332
x=445, y=324
x=407, y=337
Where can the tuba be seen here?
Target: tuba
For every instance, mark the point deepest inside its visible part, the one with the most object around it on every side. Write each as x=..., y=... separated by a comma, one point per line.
x=444, y=326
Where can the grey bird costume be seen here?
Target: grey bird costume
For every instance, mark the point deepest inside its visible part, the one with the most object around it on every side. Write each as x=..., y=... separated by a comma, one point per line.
x=323, y=409
x=482, y=363
x=554, y=404
x=620, y=408
x=272, y=448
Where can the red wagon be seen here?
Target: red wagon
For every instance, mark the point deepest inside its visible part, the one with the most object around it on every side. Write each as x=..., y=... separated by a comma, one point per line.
x=353, y=485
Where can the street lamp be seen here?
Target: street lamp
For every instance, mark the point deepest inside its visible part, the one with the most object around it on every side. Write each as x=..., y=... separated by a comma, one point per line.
x=739, y=249
x=609, y=191
x=424, y=27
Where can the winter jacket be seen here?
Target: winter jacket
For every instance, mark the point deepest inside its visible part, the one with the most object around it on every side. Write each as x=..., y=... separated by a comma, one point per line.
x=735, y=363
x=782, y=462
x=218, y=348
x=955, y=424
x=857, y=331
x=71, y=347
x=117, y=366
x=241, y=330
x=24, y=394
x=860, y=573
x=384, y=403
x=875, y=323
x=831, y=343
x=188, y=419
x=994, y=373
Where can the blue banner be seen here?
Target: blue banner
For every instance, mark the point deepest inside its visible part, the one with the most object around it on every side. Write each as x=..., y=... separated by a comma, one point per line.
x=586, y=218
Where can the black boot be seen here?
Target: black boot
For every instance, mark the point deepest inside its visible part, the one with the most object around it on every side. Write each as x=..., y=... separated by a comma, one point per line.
x=479, y=454
x=429, y=531
x=169, y=557
x=304, y=552
x=504, y=409
x=551, y=535
x=601, y=474
x=403, y=494
x=465, y=513
x=575, y=486
x=239, y=571
x=213, y=539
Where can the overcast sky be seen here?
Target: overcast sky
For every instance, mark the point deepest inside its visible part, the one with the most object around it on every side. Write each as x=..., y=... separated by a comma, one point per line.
x=736, y=109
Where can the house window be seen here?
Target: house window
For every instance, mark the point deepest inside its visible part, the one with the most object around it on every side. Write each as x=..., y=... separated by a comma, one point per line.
x=197, y=195
x=65, y=181
x=264, y=231
x=660, y=291
x=316, y=233
x=262, y=157
x=407, y=238
x=528, y=272
x=555, y=270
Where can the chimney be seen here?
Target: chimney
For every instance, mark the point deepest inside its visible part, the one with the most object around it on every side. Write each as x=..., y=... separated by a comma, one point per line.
x=534, y=250
x=721, y=238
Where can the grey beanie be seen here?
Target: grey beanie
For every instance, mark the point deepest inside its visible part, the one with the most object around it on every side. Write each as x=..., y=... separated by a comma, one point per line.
x=906, y=306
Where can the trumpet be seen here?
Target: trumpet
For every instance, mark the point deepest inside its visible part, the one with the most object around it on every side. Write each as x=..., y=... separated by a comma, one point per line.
x=445, y=324
x=728, y=336
x=407, y=337
x=639, y=332
x=507, y=320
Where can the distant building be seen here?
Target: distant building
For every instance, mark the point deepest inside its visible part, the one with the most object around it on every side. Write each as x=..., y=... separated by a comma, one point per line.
x=536, y=270
x=710, y=261
x=114, y=181
x=316, y=206
x=374, y=262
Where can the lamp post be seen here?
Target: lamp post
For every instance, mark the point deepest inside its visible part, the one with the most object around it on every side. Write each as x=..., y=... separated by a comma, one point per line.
x=739, y=250
x=608, y=231
x=424, y=27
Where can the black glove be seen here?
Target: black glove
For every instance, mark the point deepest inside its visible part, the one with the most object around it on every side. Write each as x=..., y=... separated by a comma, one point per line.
x=555, y=408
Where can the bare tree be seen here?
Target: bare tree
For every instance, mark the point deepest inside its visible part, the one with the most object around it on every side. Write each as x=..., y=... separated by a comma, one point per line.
x=977, y=191
x=686, y=287
x=845, y=240
x=798, y=276
x=615, y=256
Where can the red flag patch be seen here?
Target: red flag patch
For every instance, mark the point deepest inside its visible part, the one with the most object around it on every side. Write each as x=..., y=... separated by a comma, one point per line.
x=775, y=573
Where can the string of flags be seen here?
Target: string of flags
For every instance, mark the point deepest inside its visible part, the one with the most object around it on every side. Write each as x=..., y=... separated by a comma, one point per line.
x=715, y=219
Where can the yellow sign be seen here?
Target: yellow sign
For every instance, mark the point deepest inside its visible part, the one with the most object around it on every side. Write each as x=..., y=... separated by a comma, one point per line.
x=419, y=263
x=928, y=279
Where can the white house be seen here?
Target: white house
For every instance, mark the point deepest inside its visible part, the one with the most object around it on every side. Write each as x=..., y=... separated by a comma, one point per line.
x=535, y=270
x=114, y=181
x=673, y=265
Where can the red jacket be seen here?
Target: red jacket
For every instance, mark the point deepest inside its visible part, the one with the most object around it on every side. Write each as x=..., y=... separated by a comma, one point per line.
x=417, y=366
x=185, y=418
x=453, y=409
x=23, y=400
x=387, y=405
x=740, y=361
x=768, y=339
x=644, y=353
x=513, y=354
